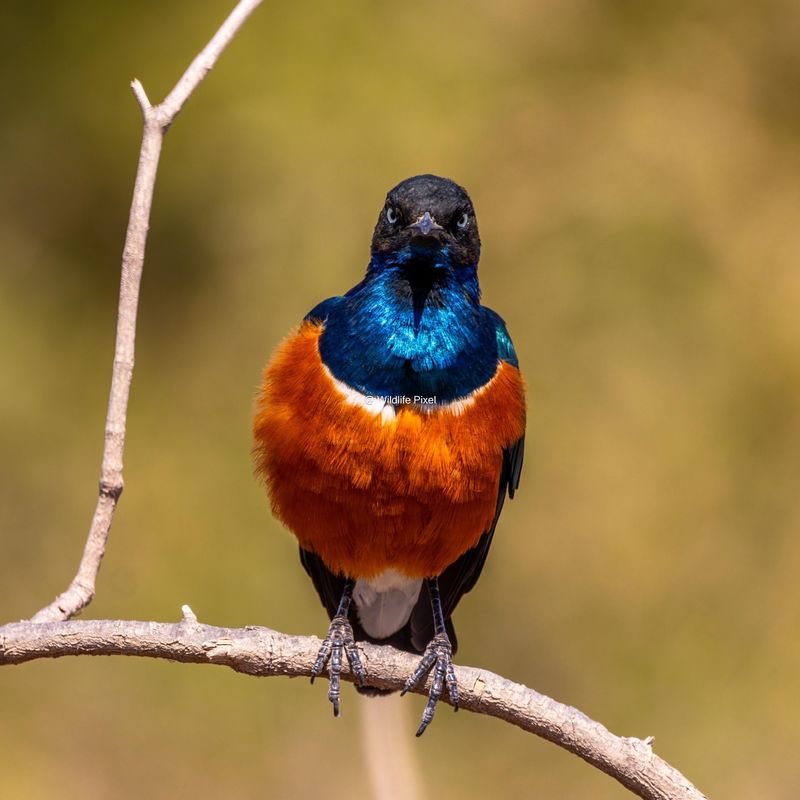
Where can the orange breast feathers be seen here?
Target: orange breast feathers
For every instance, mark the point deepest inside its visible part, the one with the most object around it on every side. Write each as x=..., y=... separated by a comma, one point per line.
x=409, y=490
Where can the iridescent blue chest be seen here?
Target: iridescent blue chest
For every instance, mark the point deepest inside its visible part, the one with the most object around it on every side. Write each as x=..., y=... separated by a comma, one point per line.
x=410, y=330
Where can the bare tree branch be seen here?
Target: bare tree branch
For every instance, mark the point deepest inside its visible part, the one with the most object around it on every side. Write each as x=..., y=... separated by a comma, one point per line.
x=261, y=651
x=157, y=120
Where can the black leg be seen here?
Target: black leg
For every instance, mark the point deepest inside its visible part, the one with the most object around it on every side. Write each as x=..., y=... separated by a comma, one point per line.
x=439, y=656
x=340, y=638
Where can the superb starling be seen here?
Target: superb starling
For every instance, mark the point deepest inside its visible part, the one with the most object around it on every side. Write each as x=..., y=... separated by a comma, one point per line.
x=389, y=429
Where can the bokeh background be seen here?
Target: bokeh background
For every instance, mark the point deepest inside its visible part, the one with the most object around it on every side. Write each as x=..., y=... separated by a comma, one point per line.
x=636, y=171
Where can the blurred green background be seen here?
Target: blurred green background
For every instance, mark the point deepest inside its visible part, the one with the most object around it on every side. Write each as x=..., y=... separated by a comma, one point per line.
x=636, y=172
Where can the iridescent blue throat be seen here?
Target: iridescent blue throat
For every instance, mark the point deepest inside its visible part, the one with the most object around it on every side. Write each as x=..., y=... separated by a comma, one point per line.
x=413, y=326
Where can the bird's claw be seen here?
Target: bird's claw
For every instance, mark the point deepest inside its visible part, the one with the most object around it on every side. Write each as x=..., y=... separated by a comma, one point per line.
x=438, y=655
x=339, y=639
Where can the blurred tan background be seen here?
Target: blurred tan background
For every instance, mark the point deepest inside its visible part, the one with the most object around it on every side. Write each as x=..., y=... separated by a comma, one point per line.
x=636, y=171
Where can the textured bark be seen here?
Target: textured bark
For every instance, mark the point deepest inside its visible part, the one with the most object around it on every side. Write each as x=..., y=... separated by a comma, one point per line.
x=261, y=651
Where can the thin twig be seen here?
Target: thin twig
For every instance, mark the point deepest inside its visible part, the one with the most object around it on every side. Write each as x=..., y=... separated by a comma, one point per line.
x=141, y=97
x=261, y=651
x=157, y=120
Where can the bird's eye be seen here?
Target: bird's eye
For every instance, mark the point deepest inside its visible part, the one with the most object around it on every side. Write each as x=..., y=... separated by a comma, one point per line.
x=391, y=215
x=463, y=221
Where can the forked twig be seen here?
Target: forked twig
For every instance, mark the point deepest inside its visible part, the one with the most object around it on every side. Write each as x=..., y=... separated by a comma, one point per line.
x=157, y=120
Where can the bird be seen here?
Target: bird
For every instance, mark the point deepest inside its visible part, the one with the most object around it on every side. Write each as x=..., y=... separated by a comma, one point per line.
x=388, y=429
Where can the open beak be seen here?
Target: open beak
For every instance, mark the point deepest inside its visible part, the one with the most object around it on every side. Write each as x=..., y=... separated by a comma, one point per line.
x=426, y=225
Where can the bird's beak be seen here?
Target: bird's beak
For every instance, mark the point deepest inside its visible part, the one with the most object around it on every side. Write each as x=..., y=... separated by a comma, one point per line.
x=426, y=225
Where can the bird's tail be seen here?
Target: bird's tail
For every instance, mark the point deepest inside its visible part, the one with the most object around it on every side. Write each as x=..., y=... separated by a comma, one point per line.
x=374, y=691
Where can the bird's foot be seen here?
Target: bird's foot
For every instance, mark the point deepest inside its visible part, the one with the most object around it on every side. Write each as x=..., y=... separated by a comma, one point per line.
x=339, y=639
x=439, y=656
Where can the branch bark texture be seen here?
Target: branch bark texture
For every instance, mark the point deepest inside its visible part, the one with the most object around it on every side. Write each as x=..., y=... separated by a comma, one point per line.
x=264, y=652
x=157, y=120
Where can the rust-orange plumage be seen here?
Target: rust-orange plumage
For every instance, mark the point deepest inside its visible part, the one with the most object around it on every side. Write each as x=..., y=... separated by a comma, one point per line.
x=415, y=492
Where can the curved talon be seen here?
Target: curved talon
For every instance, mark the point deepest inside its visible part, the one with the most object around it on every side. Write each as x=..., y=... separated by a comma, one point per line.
x=438, y=656
x=339, y=639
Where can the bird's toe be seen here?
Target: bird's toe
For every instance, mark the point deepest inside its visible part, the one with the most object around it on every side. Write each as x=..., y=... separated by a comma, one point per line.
x=338, y=642
x=438, y=656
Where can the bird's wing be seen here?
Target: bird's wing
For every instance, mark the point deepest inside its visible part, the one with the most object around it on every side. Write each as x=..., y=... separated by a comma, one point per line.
x=462, y=575
x=321, y=311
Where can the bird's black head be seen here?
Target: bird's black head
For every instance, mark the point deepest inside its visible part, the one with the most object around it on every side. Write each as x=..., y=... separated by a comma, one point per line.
x=427, y=218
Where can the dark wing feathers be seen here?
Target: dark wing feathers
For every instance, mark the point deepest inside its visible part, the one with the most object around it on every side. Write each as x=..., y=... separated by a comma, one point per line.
x=514, y=455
